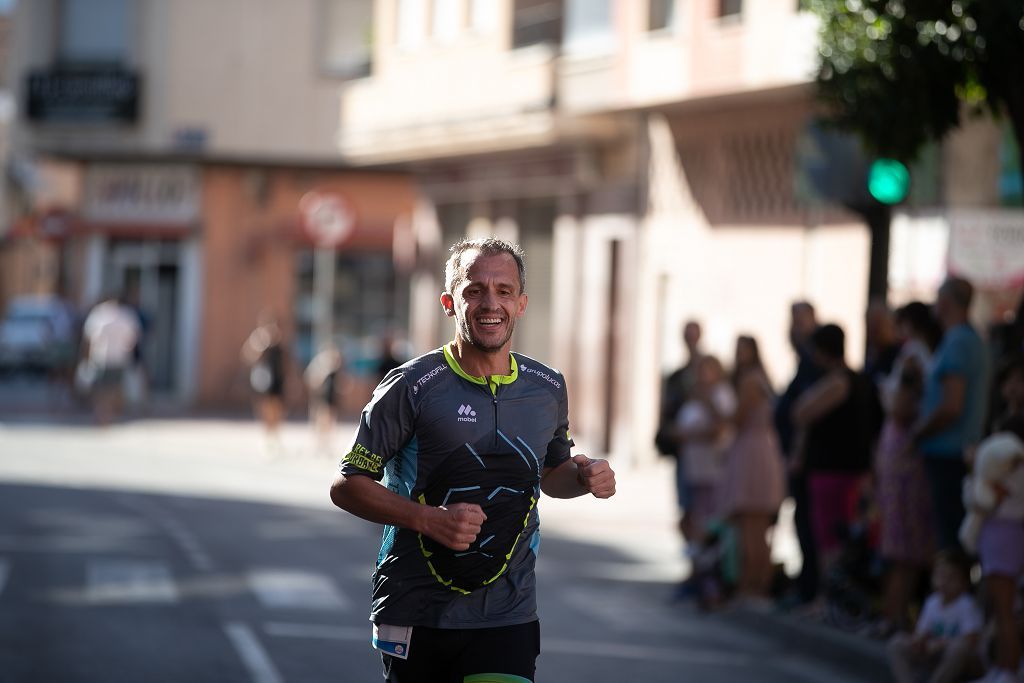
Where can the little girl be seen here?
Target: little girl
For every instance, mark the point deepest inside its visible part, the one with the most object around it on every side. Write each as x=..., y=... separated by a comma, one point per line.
x=703, y=423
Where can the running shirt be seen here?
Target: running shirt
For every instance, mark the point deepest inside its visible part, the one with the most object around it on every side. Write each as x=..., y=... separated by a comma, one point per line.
x=437, y=435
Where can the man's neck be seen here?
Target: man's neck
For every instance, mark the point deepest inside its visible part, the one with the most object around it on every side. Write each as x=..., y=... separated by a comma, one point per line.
x=481, y=363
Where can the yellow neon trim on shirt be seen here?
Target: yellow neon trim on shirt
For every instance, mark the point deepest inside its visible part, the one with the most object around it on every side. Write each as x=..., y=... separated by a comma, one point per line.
x=491, y=381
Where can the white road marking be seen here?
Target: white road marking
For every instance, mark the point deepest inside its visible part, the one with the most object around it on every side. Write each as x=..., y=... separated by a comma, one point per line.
x=322, y=631
x=254, y=657
x=5, y=570
x=129, y=581
x=186, y=540
x=288, y=588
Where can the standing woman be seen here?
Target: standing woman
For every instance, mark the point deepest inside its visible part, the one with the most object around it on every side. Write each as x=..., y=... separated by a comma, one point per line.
x=839, y=419
x=907, y=540
x=754, y=484
x=264, y=353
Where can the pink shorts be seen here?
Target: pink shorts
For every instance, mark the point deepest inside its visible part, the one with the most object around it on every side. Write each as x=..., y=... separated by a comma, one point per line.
x=832, y=499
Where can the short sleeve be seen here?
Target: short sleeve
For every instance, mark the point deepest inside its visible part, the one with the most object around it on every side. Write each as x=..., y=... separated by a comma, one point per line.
x=385, y=426
x=929, y=613
x=954, y=358
x=971, y=620
x=560, y=446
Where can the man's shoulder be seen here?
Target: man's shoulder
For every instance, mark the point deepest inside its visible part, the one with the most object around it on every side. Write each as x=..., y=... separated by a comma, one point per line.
x=423, y=371
x=536, y=371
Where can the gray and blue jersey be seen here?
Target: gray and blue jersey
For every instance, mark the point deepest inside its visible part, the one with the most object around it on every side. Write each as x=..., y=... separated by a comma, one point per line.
x=437, y=435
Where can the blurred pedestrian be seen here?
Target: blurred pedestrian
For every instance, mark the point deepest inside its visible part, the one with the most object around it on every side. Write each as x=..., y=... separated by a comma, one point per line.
x=907, y=538
x=882, y=345
x=1001, y=540
x=703, y=425
x=676, y=391
x=803, y=323
x=264, y=354
x=465, y=439
x=943, y=647
x=110, y=334
x=954, y=407
x=323, y=382
x=387, y=357
x=839, y=420
x=754, y=482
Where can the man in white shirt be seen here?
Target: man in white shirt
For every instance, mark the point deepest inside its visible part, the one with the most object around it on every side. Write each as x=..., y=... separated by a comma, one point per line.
x=109, y=336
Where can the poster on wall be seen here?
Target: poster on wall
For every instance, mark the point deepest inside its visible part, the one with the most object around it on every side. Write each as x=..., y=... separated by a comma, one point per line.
x=986, y=246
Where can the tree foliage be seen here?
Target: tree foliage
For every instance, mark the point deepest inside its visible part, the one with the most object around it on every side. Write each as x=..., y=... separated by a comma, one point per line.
x=898, y=72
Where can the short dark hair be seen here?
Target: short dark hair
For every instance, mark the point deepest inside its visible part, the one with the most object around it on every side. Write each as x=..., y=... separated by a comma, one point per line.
x=455, y=271
x=956, y=559
x=830, y=340
x=959, y=290
x=920, y=318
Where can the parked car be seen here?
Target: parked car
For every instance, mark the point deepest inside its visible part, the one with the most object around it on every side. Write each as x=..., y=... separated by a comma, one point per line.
x=36, y=334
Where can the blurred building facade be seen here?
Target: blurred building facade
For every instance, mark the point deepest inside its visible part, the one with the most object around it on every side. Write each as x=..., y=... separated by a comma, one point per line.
x=643, y=153
x=162, y=150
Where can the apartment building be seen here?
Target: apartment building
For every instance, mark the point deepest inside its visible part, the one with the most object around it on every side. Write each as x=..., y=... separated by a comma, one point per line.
x=164, y=148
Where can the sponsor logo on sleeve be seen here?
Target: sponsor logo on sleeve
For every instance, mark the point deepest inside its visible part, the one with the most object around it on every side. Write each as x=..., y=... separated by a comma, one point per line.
x=540, y=373
x=361, y=458
x=422, y=381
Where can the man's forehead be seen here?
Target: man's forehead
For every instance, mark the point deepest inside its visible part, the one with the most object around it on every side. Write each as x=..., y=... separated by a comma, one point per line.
x=475, y=264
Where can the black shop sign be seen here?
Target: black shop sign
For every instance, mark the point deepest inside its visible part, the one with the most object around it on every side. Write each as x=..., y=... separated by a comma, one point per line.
x=82, y=96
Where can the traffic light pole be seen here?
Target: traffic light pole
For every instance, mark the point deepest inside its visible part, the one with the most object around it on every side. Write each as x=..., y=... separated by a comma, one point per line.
x=878, y=218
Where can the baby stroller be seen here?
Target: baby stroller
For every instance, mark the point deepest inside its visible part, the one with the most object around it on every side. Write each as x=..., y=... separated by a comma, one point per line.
x=853, y=584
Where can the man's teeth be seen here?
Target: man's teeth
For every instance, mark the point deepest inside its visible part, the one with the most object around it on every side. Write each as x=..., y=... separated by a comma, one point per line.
x=489, y=321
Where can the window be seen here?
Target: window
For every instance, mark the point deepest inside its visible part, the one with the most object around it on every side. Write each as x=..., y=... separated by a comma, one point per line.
x=412, y=23
x=588, y=25
x=346, y=37
x=445, y=21
x=660, y=14
x=728, y=8
x=95, y=30
x=536, y=22
x=483, y=15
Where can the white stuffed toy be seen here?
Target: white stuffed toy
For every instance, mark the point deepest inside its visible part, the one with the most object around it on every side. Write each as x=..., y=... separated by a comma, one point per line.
x=996, y=457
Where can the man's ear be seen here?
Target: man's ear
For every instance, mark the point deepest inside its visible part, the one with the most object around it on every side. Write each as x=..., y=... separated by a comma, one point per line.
x=448, y=304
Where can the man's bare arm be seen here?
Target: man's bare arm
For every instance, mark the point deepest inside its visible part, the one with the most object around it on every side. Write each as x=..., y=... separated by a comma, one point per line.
x=577, y=477
x=455, y=526
x=954, y=389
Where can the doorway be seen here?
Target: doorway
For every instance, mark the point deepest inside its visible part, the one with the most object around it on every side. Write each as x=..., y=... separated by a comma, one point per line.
x=147, y=274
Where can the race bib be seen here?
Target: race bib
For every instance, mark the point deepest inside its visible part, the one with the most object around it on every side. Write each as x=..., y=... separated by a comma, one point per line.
x=393, y=640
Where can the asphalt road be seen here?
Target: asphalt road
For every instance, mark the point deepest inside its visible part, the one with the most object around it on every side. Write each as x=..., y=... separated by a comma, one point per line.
x=126, y=555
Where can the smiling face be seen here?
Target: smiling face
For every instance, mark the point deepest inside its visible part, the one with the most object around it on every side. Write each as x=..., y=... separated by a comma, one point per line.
x=487, y=302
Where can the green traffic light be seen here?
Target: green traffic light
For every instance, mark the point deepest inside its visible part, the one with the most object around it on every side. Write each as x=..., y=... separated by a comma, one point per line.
x=888, y=181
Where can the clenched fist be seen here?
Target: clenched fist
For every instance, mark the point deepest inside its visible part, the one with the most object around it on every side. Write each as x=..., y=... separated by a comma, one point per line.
x=596, y=476
x=455, y=526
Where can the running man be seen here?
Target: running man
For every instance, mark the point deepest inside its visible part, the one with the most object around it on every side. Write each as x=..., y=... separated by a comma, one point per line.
x=464, y=439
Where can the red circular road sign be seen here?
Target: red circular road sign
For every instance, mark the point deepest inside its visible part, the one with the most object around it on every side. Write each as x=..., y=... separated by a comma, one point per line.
x=328, y=217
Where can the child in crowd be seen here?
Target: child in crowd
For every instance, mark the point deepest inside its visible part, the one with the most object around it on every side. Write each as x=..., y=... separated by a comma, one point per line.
x=944, y=646
x=1001, y=541
x=703, y=422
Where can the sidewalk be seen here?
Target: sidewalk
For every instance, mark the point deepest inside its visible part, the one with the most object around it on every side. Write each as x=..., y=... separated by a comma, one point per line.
x=229, y=459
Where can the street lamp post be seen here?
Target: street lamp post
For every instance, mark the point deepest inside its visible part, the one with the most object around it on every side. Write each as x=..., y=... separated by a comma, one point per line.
x=329, y=219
